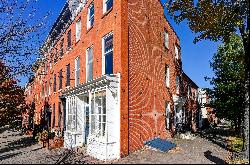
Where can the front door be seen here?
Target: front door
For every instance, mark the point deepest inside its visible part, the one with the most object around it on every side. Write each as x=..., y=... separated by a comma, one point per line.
x=86, y=128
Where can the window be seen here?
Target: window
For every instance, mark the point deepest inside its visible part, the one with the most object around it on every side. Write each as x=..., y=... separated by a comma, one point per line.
x=54, y=82
x=177, y=84
x=60, y=79
x=42, y=93
x=108, y=54
x=59, y=115
x=78, y=30
x=46, y=89
x=176, y=49
x=55, y=56
x=69, y=39
x=77, y=71
x=50, y=61
x=167, y=107
x=108, y=4
x=90, y=17
x=61, y=47
x=71, y=120
x=54, y=115
x=98, y=113
x=166, y=39
x=68, y=75
x=46, y=67
x=167, y=78
x=50, y=85
x=89, y=65
x=189, y=91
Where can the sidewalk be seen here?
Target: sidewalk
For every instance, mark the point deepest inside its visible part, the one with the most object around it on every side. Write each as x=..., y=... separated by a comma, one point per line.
x=16, y=148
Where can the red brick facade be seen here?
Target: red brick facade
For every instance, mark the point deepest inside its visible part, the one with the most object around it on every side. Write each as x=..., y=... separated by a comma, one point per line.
x=139, y=56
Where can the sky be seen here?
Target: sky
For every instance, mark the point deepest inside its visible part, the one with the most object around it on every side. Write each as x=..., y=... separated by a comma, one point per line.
x=195, y=57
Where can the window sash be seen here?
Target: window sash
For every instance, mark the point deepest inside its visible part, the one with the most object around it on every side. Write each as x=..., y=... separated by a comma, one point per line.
x=60, y=79
x=166, y=39
x=78, y=30
x=91, y=15
x=54, y=82
x=98, y=114
x=108, y=4
x=69, y=39
x=167, y=74
x=167, y=106
x=77, y=71
x=89, y=64
x=176, y=52
x=108, y=54
x=68, y=75
x=177, y=84
x=61, y=48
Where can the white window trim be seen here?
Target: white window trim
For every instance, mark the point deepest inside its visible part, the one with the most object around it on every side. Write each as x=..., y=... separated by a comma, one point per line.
x=77, y=58
x=176, y=51
x=91, y=47
x=177, y=85
x=78, y=30
x=103, y=50
x=95, y=133
x=167, y=76
x=166, y=41
x=168, y=111
x=105, y=6
x=88, y=16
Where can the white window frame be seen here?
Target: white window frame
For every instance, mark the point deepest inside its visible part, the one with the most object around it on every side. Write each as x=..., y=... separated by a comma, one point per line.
x=78, y=30
x=77, y=69
x=167, y=76
x=168, y=113
x=103, y=50
x=94, y=115
x=176, y=50
x=166, y=38
x=87, y=61
x=105, y=6
x=177, y=85
x=71, y=114
x=88, y=16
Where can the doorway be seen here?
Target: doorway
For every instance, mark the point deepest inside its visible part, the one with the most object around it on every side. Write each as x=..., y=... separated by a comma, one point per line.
x=86, y=121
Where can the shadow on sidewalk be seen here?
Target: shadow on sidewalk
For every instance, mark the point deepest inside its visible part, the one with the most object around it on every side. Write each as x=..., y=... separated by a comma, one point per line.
x=7, y=156
x=217, y=136
x=212, y=158
x=21, y=143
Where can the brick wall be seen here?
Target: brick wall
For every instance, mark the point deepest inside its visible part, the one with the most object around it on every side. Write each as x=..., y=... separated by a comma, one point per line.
x=147, y=58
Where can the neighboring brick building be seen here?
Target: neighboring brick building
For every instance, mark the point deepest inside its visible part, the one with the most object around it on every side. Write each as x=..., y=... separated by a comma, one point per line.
x=110, y=77
x=191, y=108
x=207, y=114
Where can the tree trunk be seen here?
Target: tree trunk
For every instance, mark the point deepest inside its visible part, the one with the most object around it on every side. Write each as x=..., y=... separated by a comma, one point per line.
x=245, y=39
x=246, y=123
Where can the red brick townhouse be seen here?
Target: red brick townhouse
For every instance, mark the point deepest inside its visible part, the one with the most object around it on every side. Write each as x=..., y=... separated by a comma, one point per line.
x=110, y=76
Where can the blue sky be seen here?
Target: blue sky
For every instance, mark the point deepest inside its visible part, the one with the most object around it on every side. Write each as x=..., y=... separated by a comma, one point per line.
x=195, y=57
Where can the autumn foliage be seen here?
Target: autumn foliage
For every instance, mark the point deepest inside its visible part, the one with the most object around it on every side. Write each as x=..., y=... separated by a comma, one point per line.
x=12, y=100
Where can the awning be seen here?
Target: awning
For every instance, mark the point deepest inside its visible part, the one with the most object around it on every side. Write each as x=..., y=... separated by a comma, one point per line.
x=90, y=85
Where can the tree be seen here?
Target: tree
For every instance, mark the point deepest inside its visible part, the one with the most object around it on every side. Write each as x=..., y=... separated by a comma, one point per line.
x=12, y=99
x=216, y=20
x=228, y=93
x=21, y=31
